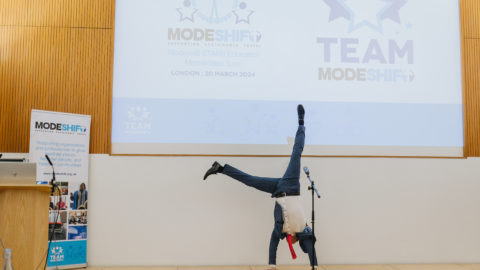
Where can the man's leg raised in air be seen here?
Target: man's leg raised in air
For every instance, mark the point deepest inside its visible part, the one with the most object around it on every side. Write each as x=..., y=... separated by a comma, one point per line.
x=293, y=169
x=290, y=181
x=265, y=184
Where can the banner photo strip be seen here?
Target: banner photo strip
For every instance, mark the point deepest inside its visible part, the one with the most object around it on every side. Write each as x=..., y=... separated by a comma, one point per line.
x=65, y=138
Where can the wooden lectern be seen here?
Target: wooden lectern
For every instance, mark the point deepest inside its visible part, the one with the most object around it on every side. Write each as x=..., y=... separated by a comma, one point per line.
x=24, y=223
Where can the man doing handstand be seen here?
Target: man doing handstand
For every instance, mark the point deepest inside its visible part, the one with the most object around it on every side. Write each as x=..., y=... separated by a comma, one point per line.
x=284, y=189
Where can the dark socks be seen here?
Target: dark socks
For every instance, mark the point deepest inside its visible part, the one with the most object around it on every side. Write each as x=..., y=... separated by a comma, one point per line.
x=301, y=114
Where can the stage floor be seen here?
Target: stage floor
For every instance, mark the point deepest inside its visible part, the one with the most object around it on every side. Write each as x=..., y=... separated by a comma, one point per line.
x=322, y=267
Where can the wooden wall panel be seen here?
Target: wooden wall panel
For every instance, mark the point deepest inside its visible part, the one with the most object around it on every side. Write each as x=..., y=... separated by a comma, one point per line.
x=64, y=65
x=472, y=96
x=93, y=13
x=470, y=16
x=35, y=12
x=27, y=78
x=59, y=13
x=58, y=55
x=470, y=26
x=91, y=75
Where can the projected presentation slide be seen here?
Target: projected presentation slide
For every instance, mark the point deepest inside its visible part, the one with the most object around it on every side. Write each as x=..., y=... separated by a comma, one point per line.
x=224, y=77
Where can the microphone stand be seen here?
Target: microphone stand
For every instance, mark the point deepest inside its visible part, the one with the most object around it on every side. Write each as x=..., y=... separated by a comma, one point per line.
x=52, y=231
x=314, y=190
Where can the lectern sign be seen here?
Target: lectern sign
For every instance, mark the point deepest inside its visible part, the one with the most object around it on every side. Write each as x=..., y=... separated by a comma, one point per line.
x=63, y=139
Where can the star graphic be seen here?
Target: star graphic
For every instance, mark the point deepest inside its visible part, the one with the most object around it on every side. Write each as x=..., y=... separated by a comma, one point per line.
x=369, y=13
x=392, y=11
x=365, y=13
x=187, y=11
x=337, y=10
x=56, y=250
x=138, y=113
x=242, y=14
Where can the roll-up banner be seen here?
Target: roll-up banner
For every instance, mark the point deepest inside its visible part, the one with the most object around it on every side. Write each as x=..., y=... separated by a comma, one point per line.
x=65, y=138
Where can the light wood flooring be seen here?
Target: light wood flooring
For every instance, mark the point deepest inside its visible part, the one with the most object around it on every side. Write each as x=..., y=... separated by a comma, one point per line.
x=321, y=267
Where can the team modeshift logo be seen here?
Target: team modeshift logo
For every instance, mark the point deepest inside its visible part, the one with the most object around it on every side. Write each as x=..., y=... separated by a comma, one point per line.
x=139, y=121
x=229, y=24
x=357, y=52
x=57, y=255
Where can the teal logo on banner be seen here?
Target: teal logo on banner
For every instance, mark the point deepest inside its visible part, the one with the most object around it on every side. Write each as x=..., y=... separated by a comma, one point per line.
x=67, y=253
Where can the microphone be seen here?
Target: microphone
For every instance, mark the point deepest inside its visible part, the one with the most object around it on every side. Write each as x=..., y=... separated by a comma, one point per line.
x=307, y=172
x=313, y=187
x=53, y=174
x=51, y=164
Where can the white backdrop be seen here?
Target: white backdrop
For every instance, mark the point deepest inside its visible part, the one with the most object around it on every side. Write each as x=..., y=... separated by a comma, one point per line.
x=158, y=211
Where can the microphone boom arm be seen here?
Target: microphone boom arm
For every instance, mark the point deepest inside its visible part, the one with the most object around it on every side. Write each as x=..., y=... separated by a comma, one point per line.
x=313, y=186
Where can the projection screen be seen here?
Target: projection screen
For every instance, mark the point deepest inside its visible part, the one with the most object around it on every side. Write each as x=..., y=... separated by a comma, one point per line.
x=223, y=77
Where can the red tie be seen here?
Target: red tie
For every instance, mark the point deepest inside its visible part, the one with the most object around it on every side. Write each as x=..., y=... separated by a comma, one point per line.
x=289, y=240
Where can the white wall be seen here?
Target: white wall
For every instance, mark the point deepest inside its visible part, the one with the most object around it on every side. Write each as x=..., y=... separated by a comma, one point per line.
x=159, y=211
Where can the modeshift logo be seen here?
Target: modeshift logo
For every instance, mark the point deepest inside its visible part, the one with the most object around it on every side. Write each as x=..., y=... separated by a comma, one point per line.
x=60, y=127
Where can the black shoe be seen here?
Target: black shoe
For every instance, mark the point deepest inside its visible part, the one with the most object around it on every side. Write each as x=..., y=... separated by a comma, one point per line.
x=301, y=114
x=216, y=168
